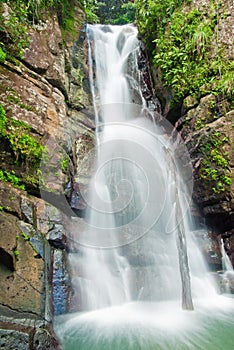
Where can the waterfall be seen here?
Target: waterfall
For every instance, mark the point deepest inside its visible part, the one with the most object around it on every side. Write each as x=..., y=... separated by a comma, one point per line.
x=227, y=275
x=120, y=205
x=226, y=262
x=138, y=259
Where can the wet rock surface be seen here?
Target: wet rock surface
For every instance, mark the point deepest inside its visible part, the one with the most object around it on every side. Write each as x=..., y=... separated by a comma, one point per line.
x=211, y=150
x=48, y=91
x=205, y=122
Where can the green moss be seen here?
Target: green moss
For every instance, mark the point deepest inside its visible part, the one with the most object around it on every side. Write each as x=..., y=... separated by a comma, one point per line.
x=25, y=236
x=2, y=53
x=24, y=145
x=16, y=252
x=200, y=123
x=14, y=98
x=64, y=163
x=14, y=26
x=9, y=176
x=3, y=121
x=26, y=149
x=214, y=169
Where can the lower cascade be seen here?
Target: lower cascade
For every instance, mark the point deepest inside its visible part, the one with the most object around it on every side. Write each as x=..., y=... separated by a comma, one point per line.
x=140, y=279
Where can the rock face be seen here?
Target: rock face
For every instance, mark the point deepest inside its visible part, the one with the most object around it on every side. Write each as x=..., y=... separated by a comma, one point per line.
x=25, y=271
x=208, y=131
x=209, y=136
x=205, y=120
x=43, y=96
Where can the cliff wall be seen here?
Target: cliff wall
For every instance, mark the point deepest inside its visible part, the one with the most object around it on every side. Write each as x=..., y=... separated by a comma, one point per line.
x=190, y=47
x=45, y=110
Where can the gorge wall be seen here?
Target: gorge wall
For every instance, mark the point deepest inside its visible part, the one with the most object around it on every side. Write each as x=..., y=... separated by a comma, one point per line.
x=190, y=46
x=44, y=112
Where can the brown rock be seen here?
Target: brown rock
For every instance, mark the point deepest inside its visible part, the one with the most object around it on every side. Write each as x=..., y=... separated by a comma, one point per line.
x=24, y=100
x=21, y=289
x=45, y=53
x=10, y=198
x=9, y=230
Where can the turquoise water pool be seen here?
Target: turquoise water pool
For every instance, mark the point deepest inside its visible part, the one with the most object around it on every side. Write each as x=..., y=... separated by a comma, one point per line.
x=151, y=326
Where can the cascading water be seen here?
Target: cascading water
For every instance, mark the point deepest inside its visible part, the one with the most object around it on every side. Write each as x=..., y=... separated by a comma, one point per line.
x=227, y=275
x=226, y=262
x=138, y=260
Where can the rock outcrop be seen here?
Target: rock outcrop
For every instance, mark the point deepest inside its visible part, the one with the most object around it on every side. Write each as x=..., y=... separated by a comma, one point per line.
x=45, y=100
x=202, y=112
x=208, y=130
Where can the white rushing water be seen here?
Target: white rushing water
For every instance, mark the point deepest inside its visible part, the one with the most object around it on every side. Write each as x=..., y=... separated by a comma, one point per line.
x=138, y=263
x=226, y=262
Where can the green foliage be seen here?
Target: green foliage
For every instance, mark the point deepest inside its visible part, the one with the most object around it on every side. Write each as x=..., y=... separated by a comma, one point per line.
x=25, y=236
x=64, y=164
x=181, y=52
x=65, y=10
x=24, y=145
x=214, y=169
x=13, y=28
x=116, y=12
x=23, y=13
x=179, y=43
x=16, y=252
x=126, y=14
x=200, y=123
x=218, y=158
x=3, y=121
x=2, y=53
x=9, y=176
x=152, y=17
x=91, y=7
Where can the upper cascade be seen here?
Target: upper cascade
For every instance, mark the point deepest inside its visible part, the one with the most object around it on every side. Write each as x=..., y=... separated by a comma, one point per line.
x=114, y=73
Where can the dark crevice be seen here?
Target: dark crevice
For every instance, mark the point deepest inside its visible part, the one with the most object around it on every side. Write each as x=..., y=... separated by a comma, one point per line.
x=28, y=312
x=6, y=259
x=12, y=212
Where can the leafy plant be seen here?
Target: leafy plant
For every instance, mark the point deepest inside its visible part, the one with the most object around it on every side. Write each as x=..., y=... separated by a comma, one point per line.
x=126, y=14
x=25, y=146
x=214, y=169
x=200, y=123
x=16, y=252
x=180, y=46
x=64, y=164
x=3, y=121
x=91, y=7
x=25, y=236
x=2, y=53
x=13, y=28
x=21, y=142
x=9, y=176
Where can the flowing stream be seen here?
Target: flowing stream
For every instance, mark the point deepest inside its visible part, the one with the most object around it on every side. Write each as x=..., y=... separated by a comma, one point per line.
x=140, y=278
